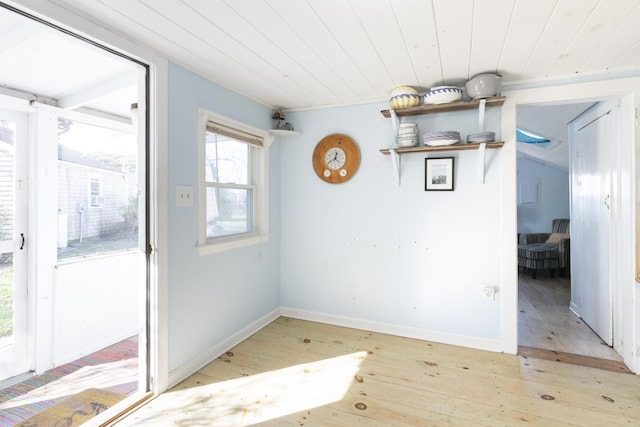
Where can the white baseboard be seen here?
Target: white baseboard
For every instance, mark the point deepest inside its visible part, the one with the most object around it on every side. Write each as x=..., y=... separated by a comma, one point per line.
x=188, y=369
x=195, y=365
x=574, y=307
x=398, y=330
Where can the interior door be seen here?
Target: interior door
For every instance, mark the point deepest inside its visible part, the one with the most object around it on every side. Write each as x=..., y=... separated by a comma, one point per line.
x=592, y=142
x=14, y=358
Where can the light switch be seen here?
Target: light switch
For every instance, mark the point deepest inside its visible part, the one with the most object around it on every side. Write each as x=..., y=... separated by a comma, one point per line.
x=184, y=195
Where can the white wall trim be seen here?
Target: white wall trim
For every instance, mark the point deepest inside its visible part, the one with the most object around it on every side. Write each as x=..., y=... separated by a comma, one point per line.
x=623, y=88
x=220, y=348
x=188, y=369
x=397, y=330
x=158, y=134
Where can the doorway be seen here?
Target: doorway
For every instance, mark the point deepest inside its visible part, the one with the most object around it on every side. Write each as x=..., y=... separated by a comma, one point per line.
x=74, y=251
x=545, y=320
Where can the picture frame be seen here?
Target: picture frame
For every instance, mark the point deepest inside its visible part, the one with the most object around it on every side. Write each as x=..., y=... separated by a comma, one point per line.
x=438, y=174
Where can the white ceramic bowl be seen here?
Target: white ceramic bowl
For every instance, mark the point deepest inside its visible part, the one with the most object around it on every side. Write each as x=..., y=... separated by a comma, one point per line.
x=442, y=95
x=408, y=131
x=483, y=86
x=404, y=101
x=403, y=90
x=408, y=142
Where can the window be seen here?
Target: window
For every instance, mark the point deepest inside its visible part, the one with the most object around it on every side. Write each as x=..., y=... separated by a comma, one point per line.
x=234, y=184
x=95, y=195
x=97, y=192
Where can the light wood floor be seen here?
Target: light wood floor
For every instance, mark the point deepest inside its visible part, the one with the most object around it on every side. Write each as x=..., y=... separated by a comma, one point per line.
x=545, y=320
x=299, y=373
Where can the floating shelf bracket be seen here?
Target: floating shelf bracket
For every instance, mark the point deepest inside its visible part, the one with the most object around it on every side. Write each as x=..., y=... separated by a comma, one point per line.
x=396, y=159
x=394, y=122
x=483, y=146
x=481, y=151
x=481, y=107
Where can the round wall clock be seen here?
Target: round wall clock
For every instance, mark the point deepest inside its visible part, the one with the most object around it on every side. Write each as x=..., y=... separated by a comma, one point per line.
x=336, y=158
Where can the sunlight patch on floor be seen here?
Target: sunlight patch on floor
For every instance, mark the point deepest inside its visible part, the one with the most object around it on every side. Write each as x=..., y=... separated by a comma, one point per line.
x=256, y=398
x=99, y=376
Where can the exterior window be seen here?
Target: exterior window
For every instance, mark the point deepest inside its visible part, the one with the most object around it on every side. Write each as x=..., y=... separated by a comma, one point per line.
x=234, y=184
x=97, y=190
x=230, y=185
x=95, y=193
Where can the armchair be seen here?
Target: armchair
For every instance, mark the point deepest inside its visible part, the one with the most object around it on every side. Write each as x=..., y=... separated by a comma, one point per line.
x=559, y=238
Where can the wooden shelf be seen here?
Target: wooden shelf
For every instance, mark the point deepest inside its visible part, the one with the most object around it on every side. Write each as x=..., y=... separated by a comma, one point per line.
x=455, y=147
x=284, y=132
x=442, y=108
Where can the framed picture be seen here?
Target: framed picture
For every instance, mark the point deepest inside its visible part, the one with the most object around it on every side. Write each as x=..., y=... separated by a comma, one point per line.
x=438, y=174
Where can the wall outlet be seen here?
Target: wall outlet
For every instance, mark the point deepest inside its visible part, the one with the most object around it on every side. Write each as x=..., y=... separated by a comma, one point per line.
x=184, y=195
x=488, y=293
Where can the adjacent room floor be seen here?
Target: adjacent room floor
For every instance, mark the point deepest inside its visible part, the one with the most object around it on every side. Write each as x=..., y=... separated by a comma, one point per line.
x=545, y=322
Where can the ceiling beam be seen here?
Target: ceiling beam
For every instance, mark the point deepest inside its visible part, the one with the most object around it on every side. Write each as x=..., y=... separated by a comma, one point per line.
x=86, y=96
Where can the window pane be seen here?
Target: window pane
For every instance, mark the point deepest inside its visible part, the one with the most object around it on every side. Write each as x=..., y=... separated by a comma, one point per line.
x=228, y=211
x=227, y=161
x=97, y=190
x=7, y=229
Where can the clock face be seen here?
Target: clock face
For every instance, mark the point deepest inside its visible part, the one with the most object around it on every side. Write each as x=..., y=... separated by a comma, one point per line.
x=336, y=158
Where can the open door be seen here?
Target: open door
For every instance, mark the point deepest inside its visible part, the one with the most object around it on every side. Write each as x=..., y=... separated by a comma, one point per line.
x=14, y=357
x=593, y=138
x=73, y=251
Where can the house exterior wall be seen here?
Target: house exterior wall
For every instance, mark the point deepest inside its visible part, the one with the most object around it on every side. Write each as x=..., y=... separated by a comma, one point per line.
x=74, y=200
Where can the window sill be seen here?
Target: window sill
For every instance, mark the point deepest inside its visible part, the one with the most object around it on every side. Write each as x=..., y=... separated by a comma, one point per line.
x=234, y=243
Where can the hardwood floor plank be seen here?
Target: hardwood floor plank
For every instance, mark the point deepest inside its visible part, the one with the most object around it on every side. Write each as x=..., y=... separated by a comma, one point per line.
x=576, y=359
x=296, y=372
x=545, y=320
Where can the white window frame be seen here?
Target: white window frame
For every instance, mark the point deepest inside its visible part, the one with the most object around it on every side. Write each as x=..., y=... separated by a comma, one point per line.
x=99, y=196
x=260, y=233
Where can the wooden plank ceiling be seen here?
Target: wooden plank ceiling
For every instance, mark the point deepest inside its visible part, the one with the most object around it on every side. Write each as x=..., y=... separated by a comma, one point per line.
x=313, y=53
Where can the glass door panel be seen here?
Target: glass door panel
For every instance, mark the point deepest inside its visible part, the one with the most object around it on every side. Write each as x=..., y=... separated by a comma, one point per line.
x=13, y=255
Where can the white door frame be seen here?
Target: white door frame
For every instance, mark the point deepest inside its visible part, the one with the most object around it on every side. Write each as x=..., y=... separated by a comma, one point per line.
x=625, y=318
x=157, y=114
x=16, y=357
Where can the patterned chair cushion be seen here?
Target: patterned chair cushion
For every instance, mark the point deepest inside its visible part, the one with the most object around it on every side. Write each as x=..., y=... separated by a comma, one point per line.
x=538, y=256
x=558, y=226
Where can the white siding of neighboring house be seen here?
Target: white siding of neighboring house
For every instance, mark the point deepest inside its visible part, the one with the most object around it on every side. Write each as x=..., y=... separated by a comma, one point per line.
x=74, y=194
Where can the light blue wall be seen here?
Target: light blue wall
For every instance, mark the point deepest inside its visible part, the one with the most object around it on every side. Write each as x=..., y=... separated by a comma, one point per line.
x=212, y=297
x=369, y=249
x=553, y=191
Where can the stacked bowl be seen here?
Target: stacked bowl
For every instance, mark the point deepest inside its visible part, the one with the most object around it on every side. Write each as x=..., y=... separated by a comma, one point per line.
x=404, y=97
x=407, y=134
x=481, y=137
x=442, y=95
x=441, y=138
